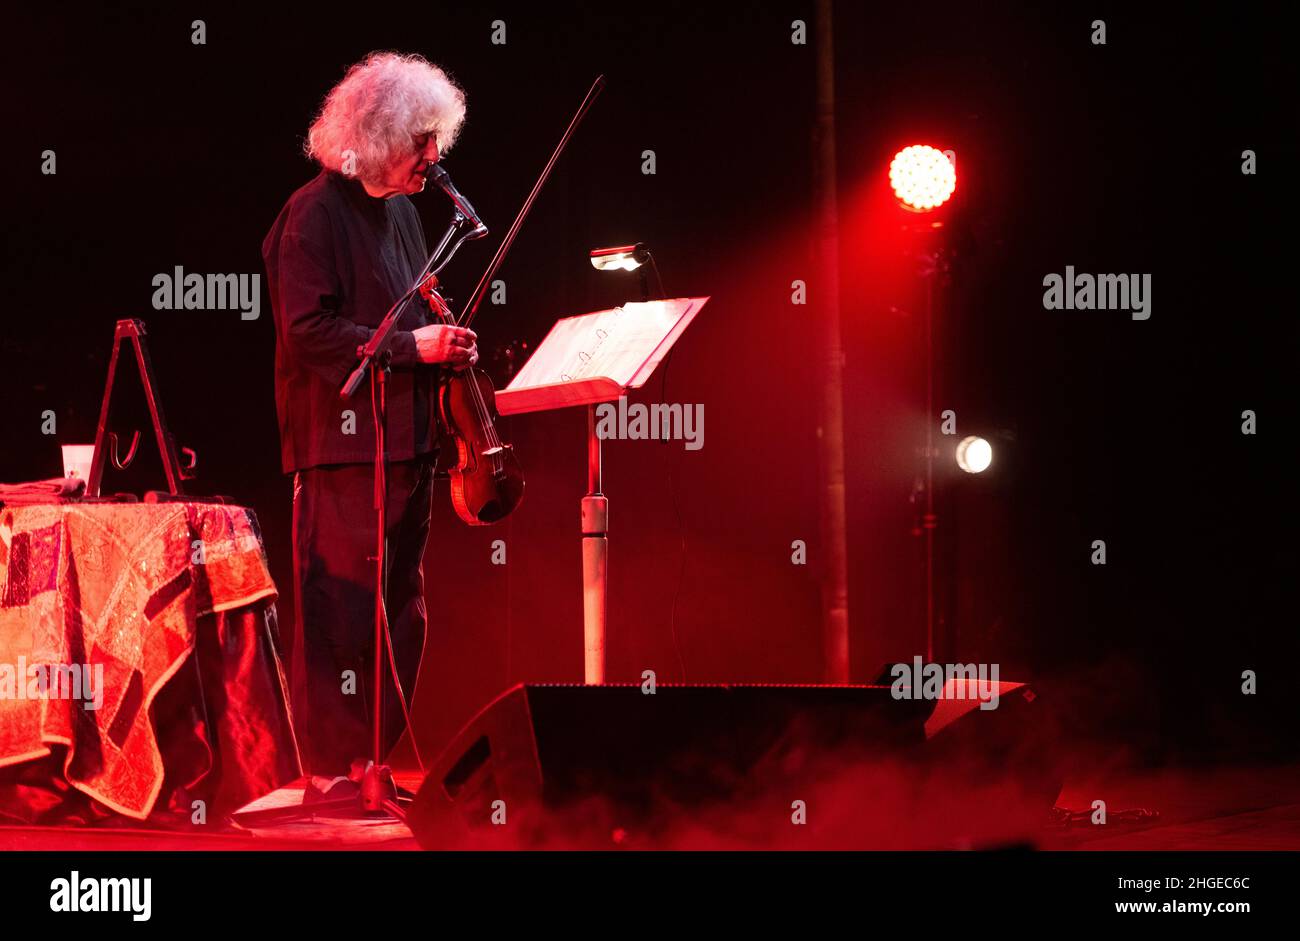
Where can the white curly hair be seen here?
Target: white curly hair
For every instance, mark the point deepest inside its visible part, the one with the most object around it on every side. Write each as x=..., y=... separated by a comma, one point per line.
x=380, y=106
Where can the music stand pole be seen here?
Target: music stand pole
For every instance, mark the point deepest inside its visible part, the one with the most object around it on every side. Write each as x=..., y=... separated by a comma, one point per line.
x=595, y=560
x=595, y=549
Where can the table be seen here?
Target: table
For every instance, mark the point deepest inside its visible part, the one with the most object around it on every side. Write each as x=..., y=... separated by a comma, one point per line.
x=167, y=613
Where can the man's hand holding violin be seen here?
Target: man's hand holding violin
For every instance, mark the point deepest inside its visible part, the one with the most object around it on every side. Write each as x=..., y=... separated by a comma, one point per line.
x=442, y=343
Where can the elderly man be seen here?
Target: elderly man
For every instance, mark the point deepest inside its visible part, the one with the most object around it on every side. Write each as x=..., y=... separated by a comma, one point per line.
x=343, y=249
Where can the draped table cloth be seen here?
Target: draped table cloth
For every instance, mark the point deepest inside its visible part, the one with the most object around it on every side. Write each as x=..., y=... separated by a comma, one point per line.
x=138, y=660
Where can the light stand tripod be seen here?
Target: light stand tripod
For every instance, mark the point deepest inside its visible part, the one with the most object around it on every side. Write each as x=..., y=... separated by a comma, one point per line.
x=933, y=262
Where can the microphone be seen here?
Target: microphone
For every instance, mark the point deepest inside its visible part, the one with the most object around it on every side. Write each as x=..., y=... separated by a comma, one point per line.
x=436, y=173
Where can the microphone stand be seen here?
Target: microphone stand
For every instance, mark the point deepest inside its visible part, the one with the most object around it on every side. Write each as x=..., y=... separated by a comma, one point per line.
x=378, y=791
x=378, y=795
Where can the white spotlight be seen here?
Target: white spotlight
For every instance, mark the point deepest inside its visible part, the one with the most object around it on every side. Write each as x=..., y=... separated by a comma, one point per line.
x=974, y=454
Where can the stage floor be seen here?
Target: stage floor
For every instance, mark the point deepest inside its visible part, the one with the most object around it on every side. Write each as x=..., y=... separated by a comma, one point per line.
x=1226, y=809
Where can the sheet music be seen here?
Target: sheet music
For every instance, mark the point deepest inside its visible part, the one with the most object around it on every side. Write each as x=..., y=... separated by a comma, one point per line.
x=610, y=344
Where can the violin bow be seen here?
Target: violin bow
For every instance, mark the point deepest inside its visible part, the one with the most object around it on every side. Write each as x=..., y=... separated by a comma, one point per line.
x=476, y=298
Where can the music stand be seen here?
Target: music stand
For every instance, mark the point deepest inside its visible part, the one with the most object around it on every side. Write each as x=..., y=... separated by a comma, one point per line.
x=586, y=360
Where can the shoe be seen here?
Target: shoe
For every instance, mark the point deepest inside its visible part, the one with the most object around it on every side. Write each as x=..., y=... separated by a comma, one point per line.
x=327, y=789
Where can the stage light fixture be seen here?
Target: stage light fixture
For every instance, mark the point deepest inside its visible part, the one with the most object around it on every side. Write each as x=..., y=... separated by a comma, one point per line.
x=923, y=177
x=626, y=257
x=974, y=454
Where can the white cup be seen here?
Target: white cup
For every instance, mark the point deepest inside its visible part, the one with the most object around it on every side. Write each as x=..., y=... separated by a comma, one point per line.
x=77, y=459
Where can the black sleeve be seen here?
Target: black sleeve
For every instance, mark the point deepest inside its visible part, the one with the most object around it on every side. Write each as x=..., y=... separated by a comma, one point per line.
x=314, y=332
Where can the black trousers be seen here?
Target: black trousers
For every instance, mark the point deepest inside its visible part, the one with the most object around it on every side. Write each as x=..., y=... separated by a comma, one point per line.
x=334, y=569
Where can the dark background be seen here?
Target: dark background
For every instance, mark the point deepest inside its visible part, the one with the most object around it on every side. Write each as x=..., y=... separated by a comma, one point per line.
x=1117, y=158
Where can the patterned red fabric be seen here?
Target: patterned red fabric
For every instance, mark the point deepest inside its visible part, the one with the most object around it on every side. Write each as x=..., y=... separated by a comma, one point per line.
x=148, y=593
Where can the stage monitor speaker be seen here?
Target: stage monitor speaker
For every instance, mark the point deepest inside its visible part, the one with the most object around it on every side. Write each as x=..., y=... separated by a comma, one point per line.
x=596, y=760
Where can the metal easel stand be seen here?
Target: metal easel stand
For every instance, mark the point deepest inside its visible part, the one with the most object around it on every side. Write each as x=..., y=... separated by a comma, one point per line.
x=133, y=331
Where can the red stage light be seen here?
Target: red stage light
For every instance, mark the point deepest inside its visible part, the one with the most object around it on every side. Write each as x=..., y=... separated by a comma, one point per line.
x=923, y=178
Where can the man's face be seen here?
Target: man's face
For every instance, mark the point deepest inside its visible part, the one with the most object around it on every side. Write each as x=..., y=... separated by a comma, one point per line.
x=406, y=174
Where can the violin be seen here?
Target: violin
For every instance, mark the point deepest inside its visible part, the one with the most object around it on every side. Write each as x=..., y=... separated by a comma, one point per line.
x=487, y=481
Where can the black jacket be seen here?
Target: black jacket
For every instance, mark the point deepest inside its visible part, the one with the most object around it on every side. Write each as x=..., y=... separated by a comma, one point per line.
x=336, y=259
